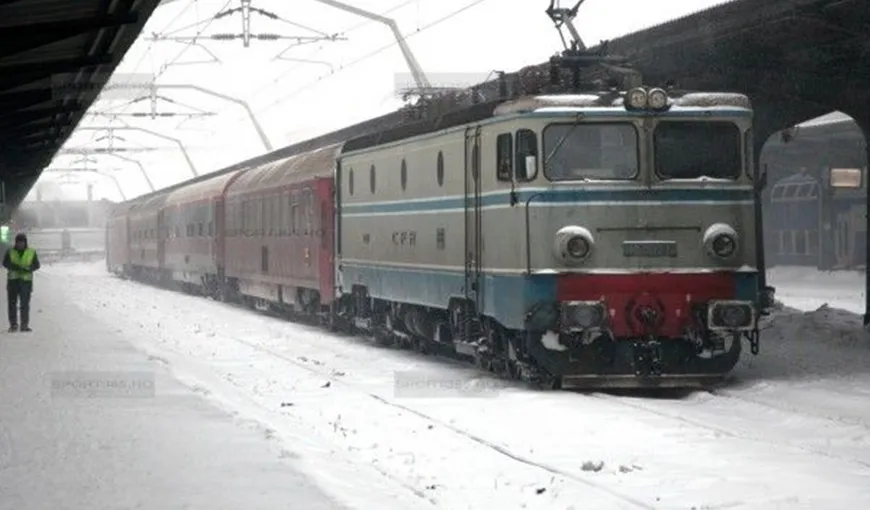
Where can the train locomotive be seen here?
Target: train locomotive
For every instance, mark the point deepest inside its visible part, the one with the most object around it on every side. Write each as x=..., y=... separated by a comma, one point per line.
x=586, y=240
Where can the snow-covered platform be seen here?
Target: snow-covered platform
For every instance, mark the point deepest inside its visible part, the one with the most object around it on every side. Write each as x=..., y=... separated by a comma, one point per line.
x=88, y=422
x=790, y=431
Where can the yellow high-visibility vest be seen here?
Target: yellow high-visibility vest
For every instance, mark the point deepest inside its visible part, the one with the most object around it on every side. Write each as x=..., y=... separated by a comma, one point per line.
x=23, y=259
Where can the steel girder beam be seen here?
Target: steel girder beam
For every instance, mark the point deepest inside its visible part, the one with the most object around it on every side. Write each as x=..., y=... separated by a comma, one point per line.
x=14, y=101
x=17, y=39
x=177, y=142
x=22, y=118
x=17, y=75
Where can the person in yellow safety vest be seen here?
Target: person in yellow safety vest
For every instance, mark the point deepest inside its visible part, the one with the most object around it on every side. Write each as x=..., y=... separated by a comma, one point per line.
x=20, y=262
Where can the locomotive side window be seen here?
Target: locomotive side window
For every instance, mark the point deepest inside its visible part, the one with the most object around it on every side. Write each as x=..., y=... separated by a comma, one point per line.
x=350, y=181
x=504, y=156
x=695, y=149
x=439, y=169
x=600, y=151
x=526, y=154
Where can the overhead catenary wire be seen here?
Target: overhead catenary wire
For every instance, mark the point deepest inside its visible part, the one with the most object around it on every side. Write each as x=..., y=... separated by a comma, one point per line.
x=148, y=53
x=371, y=54
x=122, y=107
x=320, y=49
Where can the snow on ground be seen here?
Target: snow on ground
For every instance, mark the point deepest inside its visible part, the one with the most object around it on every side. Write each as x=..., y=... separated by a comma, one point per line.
x=807, y=289
x=791, y=431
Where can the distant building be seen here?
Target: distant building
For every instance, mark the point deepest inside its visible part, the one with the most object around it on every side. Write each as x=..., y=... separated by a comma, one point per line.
x=33, y=214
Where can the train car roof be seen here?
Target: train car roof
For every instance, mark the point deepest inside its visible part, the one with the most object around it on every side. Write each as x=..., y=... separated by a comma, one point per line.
x=149, y=202
x=203, y=190
x=292, y=170
x=377, y=124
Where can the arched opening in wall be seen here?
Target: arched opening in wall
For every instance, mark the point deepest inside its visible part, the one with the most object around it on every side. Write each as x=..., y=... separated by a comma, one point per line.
x=815, y=202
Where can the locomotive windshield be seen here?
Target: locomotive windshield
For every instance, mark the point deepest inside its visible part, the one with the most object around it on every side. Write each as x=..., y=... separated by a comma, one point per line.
x=689, y=150
x=590, y=151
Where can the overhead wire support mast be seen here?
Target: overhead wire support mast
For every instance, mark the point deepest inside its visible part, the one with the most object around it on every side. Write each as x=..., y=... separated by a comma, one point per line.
x=154, y=86
x=246, y=35
x=75, y=170
x=150, y=132
x=416, y=71
x=114, y=154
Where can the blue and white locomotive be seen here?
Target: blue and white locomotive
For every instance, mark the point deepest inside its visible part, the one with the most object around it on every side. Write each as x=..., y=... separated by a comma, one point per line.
x=601, y=239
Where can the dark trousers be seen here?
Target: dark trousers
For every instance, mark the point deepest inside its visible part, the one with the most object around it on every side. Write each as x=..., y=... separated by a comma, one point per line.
x=15, y=290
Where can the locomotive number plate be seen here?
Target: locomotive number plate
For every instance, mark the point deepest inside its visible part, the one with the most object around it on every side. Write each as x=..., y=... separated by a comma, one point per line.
x=649, y=249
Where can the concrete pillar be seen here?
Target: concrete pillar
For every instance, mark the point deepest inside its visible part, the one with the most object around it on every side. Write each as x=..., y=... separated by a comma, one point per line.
x=864, y=122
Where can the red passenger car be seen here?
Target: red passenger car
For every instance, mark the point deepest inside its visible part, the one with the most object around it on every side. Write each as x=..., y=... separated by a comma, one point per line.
x=279, y=227
x=146, y=237
x=194, y=245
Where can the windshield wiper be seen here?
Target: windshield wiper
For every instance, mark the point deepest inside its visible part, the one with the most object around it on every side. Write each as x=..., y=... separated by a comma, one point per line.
x=562, y=140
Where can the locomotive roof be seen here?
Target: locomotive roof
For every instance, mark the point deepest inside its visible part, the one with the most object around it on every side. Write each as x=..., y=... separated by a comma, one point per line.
x=605, y=101
x=691, y=100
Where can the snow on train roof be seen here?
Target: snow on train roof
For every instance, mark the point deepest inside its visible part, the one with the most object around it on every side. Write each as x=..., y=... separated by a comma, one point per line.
x=148, y=206
x=298, y=168
x=209, y=188
x=706, y=100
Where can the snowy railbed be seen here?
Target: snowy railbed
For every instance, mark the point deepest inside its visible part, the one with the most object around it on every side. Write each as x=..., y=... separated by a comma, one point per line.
x=792, y=430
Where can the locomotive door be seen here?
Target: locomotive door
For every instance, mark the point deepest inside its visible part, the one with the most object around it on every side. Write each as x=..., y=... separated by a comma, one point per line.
x=473, y=230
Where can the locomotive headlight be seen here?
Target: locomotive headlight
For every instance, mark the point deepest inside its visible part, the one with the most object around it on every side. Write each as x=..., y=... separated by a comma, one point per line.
x=658, y=99
x=578, y=247
x=721, y=240
x=636, y=98
x=724, y=245
x=573, y=244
